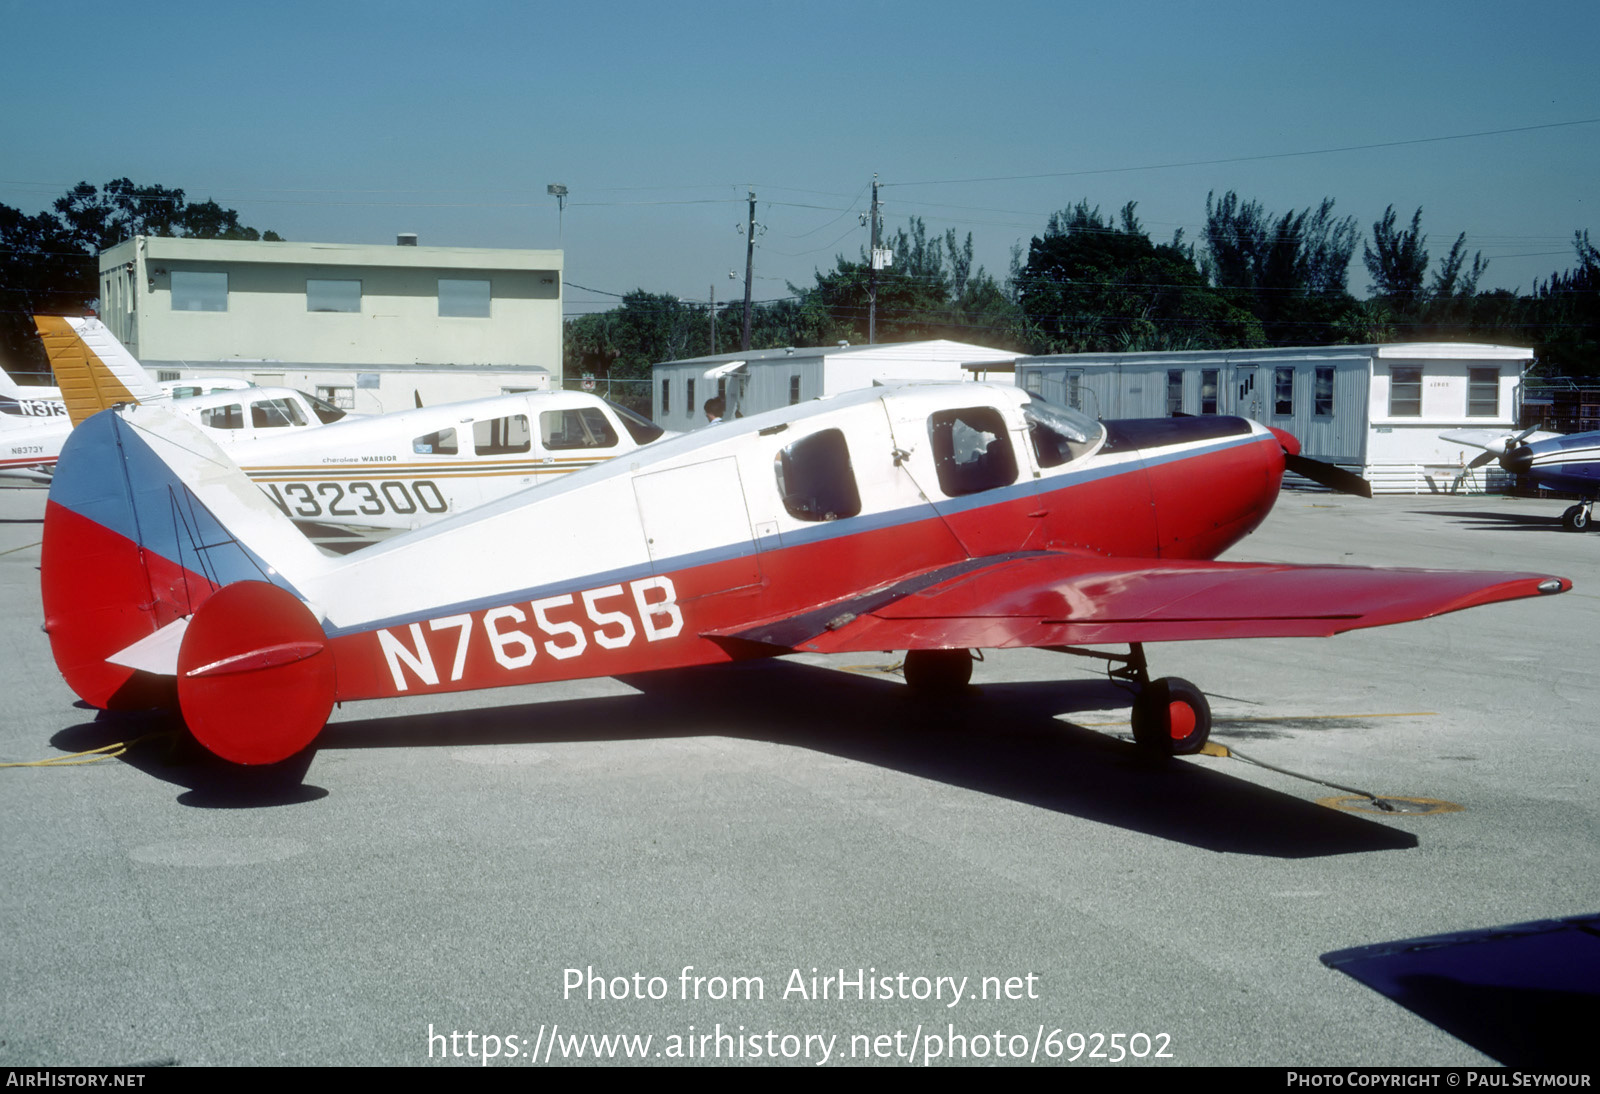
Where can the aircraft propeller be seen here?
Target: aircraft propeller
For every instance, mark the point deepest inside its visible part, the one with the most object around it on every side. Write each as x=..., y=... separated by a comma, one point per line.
x=1509, y=450
x=1319, y=471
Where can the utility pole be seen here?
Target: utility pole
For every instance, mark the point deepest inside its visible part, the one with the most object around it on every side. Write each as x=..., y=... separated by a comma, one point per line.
x=872, y=281
x=749, y=267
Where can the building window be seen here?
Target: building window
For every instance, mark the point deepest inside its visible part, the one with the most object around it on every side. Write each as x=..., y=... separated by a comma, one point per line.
x=688, y=400
x=198, y=290
x=794, y=390
x=333, y=295
x=1033, y=382
x=1323, y=393
x=1174, y=392
x=1283, y=391
x=1405, y=392
x=465, y=299
x=971, y=451
x=666, y=397
x=1208, y=391
x=342, y=397
x=1483, y=393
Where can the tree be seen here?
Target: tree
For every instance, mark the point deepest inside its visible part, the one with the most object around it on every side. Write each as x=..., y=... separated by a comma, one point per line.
x=1290, y=271
x=931, y=291
x=48, y=262
x=1090, y=285
x=1397, y=259
x=1567, y=314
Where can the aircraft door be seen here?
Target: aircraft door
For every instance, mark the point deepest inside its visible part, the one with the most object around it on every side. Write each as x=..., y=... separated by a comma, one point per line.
x=971, y=467
x=697, y=527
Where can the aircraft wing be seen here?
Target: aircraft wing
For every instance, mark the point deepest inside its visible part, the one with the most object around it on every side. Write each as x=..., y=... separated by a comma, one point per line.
x=1493, y=440
x=1073, y=600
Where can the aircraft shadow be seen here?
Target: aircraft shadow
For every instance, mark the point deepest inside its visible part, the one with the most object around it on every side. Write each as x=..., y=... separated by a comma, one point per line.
x=1000, y=739
x=1498, y=522
x=1525, y=994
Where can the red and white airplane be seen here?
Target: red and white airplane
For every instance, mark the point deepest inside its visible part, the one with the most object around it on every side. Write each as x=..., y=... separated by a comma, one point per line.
x=935, y=519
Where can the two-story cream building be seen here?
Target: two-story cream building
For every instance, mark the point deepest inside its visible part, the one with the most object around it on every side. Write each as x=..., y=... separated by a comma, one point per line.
x=342, y=313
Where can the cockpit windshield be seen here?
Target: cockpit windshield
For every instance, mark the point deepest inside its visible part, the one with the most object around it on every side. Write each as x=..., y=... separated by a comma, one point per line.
x=1060, y=434
x=640, y=428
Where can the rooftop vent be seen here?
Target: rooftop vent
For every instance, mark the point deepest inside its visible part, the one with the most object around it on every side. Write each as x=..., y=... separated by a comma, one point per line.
x=406, y=239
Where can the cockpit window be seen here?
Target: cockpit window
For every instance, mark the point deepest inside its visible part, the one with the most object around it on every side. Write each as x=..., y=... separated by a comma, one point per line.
x=971, y=451
x=223, y=417
x=1059, y=434
x=502, y=436
x=640, y=428
x=584, y=427
x=442, y=443
x=324, y=410
x=815, y=479
x=275, y=414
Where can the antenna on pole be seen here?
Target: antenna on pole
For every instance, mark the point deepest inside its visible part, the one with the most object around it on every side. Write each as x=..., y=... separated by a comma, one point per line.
x=559, y=192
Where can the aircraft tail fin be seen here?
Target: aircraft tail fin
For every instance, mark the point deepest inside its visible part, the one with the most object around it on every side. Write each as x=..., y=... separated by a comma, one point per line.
x=147, y=519
x=94, y=370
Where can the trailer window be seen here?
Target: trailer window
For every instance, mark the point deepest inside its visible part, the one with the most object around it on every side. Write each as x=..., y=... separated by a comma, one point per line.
x=1174, y=392
x=1324, y=392
x=971, y=451
x=815, y=478
x=1405, y=392
x=1483, y=392
x=583, y=427
x=1208, y=391
x=1283, y=391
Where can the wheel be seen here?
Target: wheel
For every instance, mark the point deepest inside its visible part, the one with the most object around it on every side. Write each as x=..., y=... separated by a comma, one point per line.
x=1171, y=718
x=1576, y=519
x=938, y=672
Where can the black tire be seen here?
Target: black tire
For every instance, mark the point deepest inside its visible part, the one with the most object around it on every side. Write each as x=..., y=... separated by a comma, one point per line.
x=1575, y=519
x=938, y=672
x=1155, y=709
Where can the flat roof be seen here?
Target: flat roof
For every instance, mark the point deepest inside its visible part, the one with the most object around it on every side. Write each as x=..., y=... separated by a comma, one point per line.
x=239, y=251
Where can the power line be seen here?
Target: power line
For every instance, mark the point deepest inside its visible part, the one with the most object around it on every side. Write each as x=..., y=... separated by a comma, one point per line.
x=1252, y=159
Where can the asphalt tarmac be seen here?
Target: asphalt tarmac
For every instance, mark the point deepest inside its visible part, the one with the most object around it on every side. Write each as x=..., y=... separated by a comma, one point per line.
x=991, y=879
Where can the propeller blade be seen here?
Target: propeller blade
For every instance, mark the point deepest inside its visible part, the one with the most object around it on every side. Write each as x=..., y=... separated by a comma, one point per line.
x=1334, y=478
x=1477, y=462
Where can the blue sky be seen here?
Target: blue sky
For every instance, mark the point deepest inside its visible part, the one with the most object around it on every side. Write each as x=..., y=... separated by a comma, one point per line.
x=350, y=122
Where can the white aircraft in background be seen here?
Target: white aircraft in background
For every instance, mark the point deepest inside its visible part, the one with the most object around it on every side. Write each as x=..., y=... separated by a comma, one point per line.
x=407, y=469
x=96, y=371
x=389, y=471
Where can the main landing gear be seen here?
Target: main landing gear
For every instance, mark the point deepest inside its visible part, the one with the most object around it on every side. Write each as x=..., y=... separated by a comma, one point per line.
x=938, y=673
x=1171, y=716
x=1576, y=519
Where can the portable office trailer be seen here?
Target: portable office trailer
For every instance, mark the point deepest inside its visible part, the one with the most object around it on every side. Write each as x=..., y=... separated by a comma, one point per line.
x=1375, y=409
x=759, y=380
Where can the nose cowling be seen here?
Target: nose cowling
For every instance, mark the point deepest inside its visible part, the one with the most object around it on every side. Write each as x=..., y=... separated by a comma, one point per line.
x=1518, y=460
